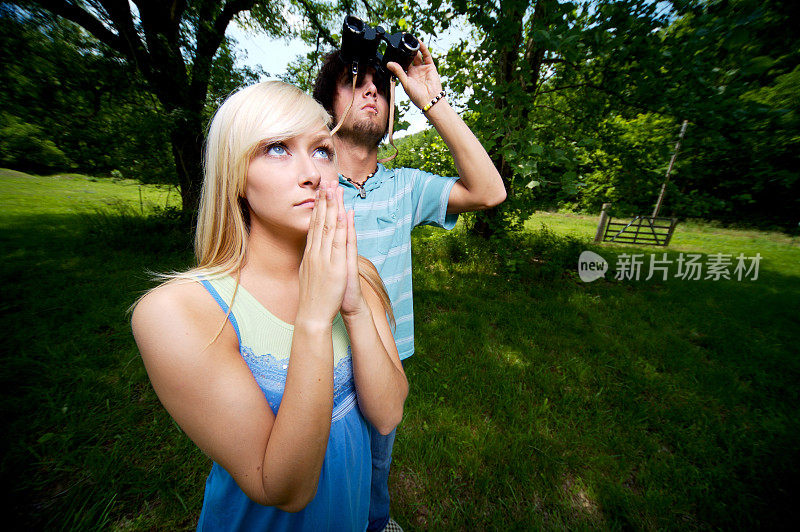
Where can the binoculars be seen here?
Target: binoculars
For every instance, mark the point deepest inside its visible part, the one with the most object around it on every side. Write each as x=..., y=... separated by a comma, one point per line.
x=360, y=47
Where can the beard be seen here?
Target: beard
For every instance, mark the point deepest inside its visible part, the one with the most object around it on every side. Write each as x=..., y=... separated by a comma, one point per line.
x=364, y=132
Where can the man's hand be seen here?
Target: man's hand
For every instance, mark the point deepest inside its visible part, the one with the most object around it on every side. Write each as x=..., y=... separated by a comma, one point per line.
x=480, y=185
x=422, y=83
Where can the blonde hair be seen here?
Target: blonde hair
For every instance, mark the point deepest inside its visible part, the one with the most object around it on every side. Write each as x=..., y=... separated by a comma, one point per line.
x=260, y=114
x=249, y=119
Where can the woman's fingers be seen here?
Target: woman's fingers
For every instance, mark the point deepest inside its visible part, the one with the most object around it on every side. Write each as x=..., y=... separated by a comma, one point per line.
x=340, y=200
x=329, y=221
x=312, y=223
x=339, y=244
x=320, y=206
x=352, y=247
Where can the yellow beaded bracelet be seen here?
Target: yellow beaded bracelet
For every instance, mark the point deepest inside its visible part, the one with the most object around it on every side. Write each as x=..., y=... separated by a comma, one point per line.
x=438, y=97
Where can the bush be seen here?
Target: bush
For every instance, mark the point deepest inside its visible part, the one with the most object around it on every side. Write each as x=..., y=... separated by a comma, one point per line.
x=538, y=254
x=521, y=256
x=23, y=147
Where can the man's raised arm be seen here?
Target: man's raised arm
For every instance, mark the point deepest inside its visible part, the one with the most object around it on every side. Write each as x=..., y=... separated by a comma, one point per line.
x=480, y=185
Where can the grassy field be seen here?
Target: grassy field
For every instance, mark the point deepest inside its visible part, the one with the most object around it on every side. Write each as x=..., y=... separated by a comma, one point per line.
x=26, y=195
x=537, y=400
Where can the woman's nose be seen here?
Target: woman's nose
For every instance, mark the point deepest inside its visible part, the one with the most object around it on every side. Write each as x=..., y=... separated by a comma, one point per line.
x=309, y=173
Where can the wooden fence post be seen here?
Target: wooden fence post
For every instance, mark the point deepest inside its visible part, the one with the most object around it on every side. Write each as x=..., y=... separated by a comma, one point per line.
x=601, y=225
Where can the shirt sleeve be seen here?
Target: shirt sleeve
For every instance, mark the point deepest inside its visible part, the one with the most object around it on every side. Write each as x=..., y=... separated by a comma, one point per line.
x=430, y=194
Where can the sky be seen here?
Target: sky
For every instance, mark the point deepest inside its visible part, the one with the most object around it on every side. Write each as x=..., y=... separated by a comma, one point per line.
x=274, y=55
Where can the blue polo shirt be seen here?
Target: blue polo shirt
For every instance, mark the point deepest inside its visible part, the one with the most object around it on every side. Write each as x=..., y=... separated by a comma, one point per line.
x=395, y=202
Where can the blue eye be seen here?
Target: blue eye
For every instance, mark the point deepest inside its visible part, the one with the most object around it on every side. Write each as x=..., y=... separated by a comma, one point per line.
x=323, y=153
x=276, y=150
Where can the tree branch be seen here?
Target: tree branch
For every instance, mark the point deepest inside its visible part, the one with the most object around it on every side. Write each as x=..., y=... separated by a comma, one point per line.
x=121, y=16
x=209, y=38
x=83, y=18
x=534, y=55
x=313, y=18
x=577, y=85
x=160, y=17
x=369, y=9
x=126, y=41
x=559, y=111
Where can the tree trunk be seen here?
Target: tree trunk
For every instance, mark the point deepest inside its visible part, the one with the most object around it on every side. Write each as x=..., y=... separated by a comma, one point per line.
x=488, y=223
x=151, y=40
x=187, y=149
x=492, y=222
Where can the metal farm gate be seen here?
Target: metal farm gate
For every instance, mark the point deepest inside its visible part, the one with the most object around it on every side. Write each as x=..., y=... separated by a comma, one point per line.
x=640, y=230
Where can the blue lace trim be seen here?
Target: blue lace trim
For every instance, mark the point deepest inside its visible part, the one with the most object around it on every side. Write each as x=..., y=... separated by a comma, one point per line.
x=270, y=375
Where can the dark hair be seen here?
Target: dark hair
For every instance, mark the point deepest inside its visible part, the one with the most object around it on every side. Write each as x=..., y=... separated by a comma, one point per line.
x=333, y=72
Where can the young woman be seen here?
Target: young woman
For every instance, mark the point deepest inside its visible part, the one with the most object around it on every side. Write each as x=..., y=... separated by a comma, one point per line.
x=275, y=352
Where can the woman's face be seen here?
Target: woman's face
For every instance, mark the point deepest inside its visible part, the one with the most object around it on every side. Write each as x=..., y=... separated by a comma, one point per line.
x=283, y=178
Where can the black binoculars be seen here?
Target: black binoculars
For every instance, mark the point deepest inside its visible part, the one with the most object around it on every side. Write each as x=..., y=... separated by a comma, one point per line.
x=360, y=47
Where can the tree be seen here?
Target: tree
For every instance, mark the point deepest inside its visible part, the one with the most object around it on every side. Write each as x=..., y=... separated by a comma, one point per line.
x=549, y=72
x=733, y=69
x=742, y=65
x=424, y=150
x=180, y=51
x=173, y=45
x=549, y=82
x=59, y=89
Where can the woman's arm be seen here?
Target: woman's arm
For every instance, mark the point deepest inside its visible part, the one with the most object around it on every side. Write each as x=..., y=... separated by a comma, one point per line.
x=379, y=377
x=211, y=393
x=380, y=381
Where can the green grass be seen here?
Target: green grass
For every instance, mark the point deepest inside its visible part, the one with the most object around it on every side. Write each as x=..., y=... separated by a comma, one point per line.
x=26, y=195
x=559, y=404
x=537, y=401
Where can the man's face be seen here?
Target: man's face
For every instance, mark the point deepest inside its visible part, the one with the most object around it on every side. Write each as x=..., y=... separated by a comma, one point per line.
x=366, y=124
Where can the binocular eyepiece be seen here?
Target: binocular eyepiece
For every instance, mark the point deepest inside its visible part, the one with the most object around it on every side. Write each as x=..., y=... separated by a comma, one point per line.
x=360, y=45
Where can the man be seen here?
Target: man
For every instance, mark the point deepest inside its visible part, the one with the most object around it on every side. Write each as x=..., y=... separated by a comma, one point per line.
x=389, y=203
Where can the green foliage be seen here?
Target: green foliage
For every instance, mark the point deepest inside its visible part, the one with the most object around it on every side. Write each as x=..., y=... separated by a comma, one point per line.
x=123, y=226
x=23, y=146
x=562, y=94
x=628, y=166
x=425, y=150
x=579, y=103
x=226, y=77
x=168, y=60
x=736, y=82
x=77, y=105
x=541, y=79
x=300, y=72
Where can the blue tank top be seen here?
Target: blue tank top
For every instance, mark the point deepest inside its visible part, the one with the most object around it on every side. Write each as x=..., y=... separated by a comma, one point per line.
x=342, y=499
